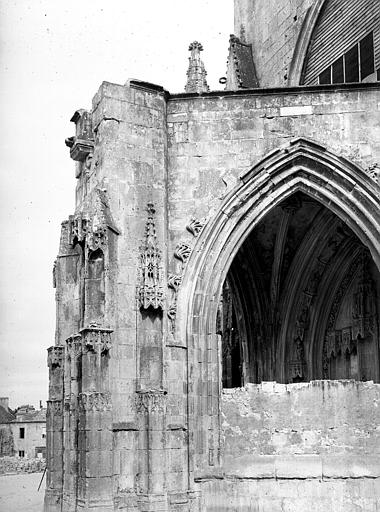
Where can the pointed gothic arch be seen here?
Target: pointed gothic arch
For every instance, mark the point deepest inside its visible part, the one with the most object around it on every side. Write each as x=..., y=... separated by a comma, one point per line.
x=300, y=166
x=304, y=165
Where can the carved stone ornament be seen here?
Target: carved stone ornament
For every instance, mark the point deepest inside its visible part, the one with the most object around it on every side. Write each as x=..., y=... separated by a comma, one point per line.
x=172, y=311
x=79, y=226
x=182, y=251
x=74, y=346
x=92, y=225
x=195, y=226
x=54, y=408
x=70, y=402
x=82, y=144
x=297, y=364
x=196, y=73
x=95, y=402
x=374, y=172
x=331, y=340
x=96, y=340
x=56, y=357
x=174, y=281
x=88, y=162
x=152, y=401
x=150, y=292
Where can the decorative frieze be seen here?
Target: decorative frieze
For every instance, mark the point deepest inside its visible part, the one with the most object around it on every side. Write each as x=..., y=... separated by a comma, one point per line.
x=150, y=292
x=152, y=401
x=55, y=357
x=96, y=339
x=94, y=401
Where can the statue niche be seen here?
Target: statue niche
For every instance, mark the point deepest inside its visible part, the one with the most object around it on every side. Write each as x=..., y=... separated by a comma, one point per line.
x=95, y=292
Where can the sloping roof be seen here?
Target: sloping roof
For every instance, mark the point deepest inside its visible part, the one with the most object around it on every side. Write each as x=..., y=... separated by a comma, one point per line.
x=6, y=416
x=39, y=415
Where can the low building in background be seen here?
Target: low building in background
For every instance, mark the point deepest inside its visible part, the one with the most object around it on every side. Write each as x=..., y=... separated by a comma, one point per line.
x=29, y=432
x=23, y=431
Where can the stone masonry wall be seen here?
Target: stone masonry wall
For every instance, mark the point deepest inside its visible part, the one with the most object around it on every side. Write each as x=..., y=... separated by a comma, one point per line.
x=212, y=140
x=182, y=154
x=311, y=446
x=272, y=27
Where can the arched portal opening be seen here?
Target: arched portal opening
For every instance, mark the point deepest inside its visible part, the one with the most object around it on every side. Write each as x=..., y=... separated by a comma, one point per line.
x=321, y=186
x=300, y=300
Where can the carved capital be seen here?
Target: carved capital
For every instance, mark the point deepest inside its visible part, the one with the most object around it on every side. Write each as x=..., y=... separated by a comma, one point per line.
x=152, y=401
x=95, y=401
x=55, y=357
x=54, y=408
x=182, y=251
x=96, y=340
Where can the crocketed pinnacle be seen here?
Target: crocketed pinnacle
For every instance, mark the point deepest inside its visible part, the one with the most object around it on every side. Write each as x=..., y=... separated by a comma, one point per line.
x=196, y=74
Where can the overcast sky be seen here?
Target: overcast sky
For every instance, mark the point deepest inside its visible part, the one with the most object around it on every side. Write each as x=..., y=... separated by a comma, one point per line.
x=54, y=55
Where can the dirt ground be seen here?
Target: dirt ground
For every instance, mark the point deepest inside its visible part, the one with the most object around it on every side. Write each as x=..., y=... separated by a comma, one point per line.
x=18, y=493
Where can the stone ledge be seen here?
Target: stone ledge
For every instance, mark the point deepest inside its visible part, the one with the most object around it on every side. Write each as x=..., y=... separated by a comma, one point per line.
x=346, y=466
x=302, y=467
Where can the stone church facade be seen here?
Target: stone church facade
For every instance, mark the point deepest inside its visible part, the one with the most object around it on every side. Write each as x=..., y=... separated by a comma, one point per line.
x=218, y=287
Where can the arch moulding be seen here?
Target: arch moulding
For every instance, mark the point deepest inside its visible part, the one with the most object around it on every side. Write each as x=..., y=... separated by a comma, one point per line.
x=303, y=42
x=301, y=165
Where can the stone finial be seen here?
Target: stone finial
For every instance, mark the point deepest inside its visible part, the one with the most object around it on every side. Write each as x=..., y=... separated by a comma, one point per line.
x=196, y=74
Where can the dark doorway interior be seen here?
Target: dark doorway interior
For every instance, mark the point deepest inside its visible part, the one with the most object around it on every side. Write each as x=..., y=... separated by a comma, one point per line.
x=300, y=301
